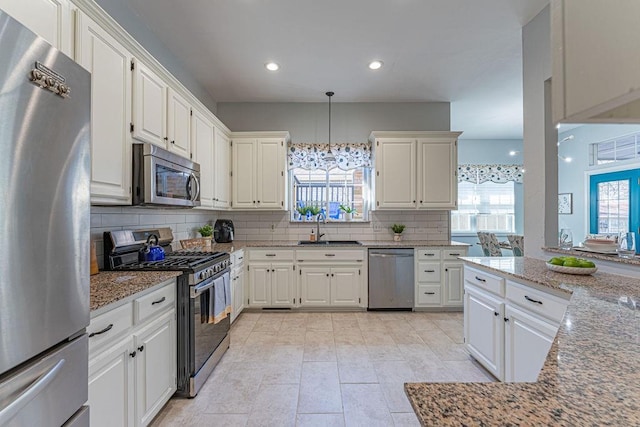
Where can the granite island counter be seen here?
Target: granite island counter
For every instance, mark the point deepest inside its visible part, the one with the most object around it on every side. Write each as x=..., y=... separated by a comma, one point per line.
x=592, y=372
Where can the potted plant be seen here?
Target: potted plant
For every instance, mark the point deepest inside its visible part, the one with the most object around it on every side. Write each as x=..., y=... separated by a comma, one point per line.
x=348, y=212
x=312, y=211
x=302, y=212
x=206, y=231
x=397, y=231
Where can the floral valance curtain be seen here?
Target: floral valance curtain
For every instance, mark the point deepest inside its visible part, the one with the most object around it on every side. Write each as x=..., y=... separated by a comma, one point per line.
x=494, y=173
x=345, y=156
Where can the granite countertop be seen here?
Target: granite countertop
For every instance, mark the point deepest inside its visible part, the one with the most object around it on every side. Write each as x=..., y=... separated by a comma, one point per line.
x=110, y=286
x=584, y=254
x=591, y=375
x=237, y=244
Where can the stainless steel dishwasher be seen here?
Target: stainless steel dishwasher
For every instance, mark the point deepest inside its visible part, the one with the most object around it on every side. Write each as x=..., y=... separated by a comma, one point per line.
x=391, y=279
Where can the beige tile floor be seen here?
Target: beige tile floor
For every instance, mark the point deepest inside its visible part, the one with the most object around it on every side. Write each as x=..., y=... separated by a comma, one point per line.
x=327, y=369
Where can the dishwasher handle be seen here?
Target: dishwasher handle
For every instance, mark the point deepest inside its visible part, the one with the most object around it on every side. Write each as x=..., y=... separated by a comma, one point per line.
x=392, y=255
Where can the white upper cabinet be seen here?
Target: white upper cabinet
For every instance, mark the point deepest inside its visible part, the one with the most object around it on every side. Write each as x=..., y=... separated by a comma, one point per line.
x=109, y=64
x=149, y=106
x=50, y=19
x=415, y=170
x=202, y=142
x=178, y=124
x=258, y=178
x=437, y=175
x=595, y=66
x=395, y=173
x=222, y=178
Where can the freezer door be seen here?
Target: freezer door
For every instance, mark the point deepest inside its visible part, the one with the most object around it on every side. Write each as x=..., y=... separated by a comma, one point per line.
x=44, y=183
x=49, y=390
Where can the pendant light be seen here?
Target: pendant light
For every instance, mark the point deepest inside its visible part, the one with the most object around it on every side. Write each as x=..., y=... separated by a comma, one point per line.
x=330, y=154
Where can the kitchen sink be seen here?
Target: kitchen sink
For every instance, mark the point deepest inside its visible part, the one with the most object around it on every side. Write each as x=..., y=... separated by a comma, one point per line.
x=329, y=242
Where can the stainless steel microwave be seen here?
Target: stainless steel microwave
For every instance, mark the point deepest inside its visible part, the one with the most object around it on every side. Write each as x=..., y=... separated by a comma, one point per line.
x=161, y=178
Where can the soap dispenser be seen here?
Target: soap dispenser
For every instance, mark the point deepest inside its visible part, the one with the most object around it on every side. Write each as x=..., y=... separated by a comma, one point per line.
x=312, y=236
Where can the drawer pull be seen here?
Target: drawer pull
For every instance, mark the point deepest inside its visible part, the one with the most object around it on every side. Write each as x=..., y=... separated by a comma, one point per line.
x=452, y=254
x=270, y=254
x=161, y=300
x=535, y=301
x=107, y=329
x=429, y=293
x=133, y=353
x=479, y=279
x=141, y=348
x=241, y=257
x=426, y=254
x=329, y=254
x=429, y=271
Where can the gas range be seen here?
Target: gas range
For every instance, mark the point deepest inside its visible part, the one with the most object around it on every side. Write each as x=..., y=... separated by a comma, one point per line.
x=121, y=253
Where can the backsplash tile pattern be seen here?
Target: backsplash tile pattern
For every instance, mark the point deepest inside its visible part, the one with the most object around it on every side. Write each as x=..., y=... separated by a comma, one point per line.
x=421, y=225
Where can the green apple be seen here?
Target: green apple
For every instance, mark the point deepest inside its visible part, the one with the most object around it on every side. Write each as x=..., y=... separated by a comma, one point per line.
x=571, y=262
x=556, y=261
x=583, y=263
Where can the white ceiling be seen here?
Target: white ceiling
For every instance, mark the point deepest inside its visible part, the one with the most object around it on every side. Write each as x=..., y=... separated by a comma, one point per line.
x=467, y=52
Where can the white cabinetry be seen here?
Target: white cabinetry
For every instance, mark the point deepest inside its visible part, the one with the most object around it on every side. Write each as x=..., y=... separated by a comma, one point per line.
x=331, y=277
x=178, y=124
x=271, y=278
x=589, y=87
x=509, y=328
x=50, y=19
x=132, y=358
x=237, y=283
x=438, y=275
x=109, y=64
x=222, y=178
x=202, y=146
x=415, y=170
x=149, y=106
x=258, y=175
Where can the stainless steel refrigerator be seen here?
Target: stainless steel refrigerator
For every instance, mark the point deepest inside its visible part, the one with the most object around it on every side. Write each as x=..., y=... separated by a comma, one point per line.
x=45, y=101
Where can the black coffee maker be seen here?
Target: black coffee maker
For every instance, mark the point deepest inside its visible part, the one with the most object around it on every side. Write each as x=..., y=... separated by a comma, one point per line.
x=223, y=231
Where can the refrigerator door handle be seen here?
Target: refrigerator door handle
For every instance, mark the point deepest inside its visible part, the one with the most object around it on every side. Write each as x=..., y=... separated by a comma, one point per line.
x=30, y=393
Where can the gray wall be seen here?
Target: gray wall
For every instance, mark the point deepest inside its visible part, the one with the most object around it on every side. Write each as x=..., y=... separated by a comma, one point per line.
x=486, y=151
x=127, y=18
x=350, y=122
x=572, y=177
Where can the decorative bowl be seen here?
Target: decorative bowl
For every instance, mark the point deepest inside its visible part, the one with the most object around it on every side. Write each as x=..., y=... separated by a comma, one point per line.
x=600, y=245
x=571, y=270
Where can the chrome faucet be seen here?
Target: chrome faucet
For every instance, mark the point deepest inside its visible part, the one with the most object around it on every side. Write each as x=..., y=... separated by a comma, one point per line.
x=324, y=220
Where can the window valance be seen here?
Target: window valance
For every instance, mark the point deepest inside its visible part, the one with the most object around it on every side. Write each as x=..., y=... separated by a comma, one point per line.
x=345, y=156
x=494, y=173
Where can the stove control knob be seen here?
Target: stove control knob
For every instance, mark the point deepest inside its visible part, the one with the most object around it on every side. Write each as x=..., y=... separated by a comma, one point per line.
x=216, y=268
x=209, y=272
x=201, y=275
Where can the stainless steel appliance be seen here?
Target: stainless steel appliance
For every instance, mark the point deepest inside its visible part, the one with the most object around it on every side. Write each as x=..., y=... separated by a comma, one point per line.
x=200, y=344
x=391, y=279
x=45, y=105
x=223, y=231
x=161, y=178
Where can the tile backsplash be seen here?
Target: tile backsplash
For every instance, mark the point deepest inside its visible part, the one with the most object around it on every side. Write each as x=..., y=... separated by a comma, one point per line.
x=421, y=225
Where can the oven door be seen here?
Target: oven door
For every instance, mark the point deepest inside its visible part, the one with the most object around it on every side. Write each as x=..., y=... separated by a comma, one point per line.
x=168, y=183
x=205, y=336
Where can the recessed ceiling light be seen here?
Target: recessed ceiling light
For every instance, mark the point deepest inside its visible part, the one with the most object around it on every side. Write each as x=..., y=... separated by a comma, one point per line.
x=513, y=152
x=272, y=66
x=375, y=65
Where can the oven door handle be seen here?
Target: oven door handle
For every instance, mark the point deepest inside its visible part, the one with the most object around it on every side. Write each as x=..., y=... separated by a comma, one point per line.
x=196, y=291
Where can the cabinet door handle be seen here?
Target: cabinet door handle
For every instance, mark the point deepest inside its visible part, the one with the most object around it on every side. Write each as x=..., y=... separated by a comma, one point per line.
x=535, y=301
x=429, y=293
x=141, y=348
x=429, y=271
x=132, y=354
x=506, y=319
x=161, y=300
x=495, y=313
x=480, y=279
x=332, y=275
x=241, y=257
x=107, y=329
x=329, y=254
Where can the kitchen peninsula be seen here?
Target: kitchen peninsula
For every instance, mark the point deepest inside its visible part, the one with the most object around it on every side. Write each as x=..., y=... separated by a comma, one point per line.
x=591, y=375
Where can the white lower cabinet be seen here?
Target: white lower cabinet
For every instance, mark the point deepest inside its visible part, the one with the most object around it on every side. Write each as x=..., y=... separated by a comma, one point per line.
x=527, y=342
x=111, y=386
x=237, y=284
x=345, y=286
x=484, y=329
x=509, y=330
x=271, y=285
x=315, y=286
x=439, y=278
x=132, y=366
